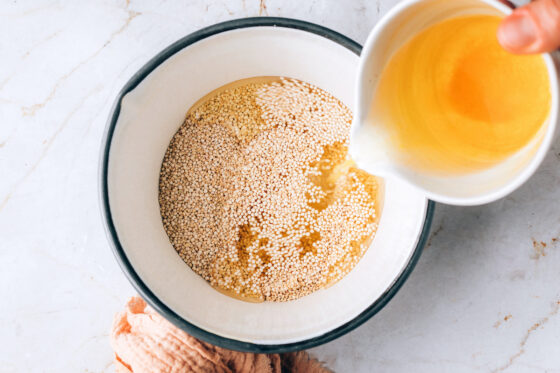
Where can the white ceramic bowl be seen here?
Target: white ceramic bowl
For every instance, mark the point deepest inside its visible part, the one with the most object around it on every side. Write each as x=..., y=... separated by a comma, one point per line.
x=148, y=112
x=397, y=27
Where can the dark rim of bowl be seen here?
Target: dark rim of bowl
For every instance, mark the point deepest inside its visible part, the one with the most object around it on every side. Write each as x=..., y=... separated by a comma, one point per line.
x=120, y=255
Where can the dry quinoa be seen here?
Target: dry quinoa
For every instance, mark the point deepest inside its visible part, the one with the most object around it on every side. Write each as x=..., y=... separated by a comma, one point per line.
x=249, y=198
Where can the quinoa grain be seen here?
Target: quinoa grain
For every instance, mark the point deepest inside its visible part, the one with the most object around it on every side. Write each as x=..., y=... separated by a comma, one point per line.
x=257, y=193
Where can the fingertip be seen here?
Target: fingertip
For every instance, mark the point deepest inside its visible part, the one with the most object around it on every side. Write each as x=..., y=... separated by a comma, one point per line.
x=518, y=32
x=533, y=28
x=503, y=36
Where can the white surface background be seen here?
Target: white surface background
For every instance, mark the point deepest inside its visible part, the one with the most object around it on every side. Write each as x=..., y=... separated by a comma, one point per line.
x=485, y=295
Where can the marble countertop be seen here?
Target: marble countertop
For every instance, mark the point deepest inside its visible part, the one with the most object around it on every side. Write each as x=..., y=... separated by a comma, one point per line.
x=485, y=295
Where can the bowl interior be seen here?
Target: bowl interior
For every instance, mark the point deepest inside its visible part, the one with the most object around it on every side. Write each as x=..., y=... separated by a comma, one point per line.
x=150, y=115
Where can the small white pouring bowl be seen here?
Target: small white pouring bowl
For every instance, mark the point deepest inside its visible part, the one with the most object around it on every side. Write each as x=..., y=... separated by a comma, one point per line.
x=398, y=26
x=147, y=113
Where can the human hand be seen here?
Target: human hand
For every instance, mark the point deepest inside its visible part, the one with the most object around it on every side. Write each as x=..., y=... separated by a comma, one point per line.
x=533, y=28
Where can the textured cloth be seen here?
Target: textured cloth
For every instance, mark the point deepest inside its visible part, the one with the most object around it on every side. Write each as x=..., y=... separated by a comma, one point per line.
x=144, y=342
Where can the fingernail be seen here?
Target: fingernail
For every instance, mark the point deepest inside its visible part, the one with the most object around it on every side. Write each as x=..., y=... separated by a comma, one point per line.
x=518, y=31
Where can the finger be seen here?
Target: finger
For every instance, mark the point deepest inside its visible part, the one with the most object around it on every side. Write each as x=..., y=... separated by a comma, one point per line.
x=533, y=28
